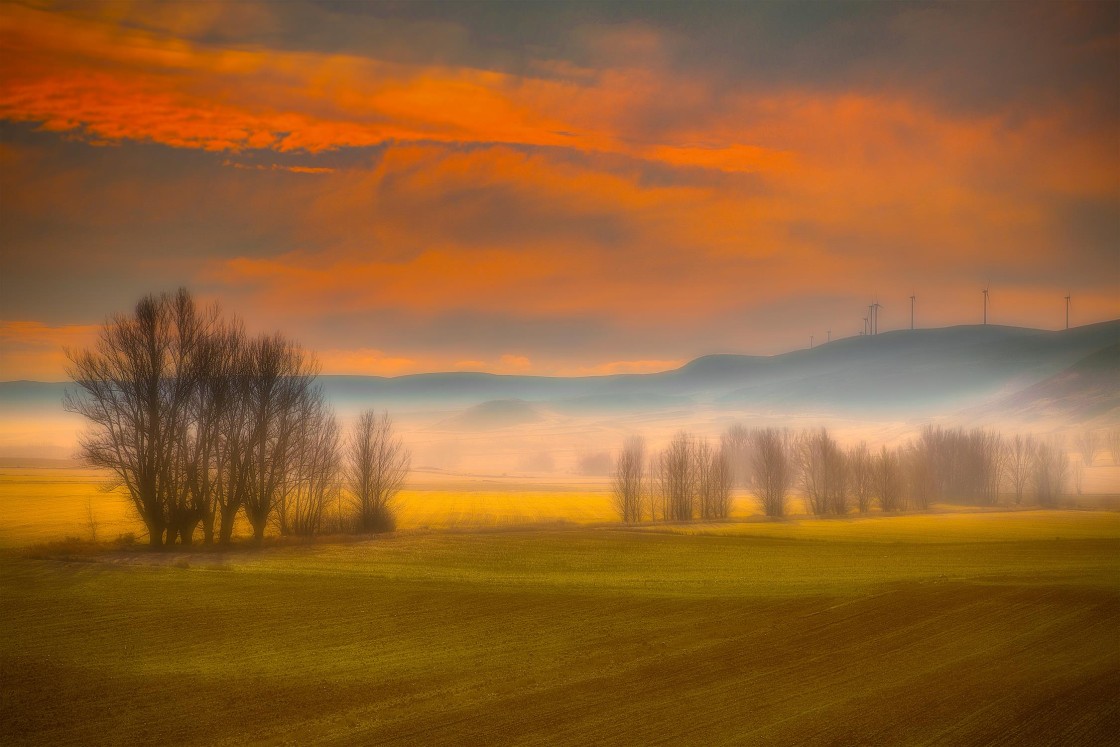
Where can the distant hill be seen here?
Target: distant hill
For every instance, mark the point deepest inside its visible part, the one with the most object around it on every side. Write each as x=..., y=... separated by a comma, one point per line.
x=906, y=372
x=1086, y=391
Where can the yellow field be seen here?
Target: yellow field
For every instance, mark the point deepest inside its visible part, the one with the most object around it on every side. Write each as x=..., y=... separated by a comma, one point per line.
x=969, y=526
x=45, y=504
x=955, y=626
x=42, y=504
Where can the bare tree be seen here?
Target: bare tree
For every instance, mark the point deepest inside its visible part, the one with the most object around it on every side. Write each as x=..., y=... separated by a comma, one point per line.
x=654, y=499
x=204, y=448
x=772, y=469
x=376, y=470
x=1017, y=463
x=1087, y=443
x=823, y=473
x=280, y=376
x=888, y=480
x=964, y=465
x=714, y=480
x=677, y=477
x=198, y=424
x=314, y=466
x=91, y=520
x=1112, y=437
x=987, y=454
x=236, y=438
x=861, y=476
x=627, y=479
x=702, y=467
x=918, y=476
x=1050, y=467
x=736, y=442
x=134, y=388
x=1078, y=471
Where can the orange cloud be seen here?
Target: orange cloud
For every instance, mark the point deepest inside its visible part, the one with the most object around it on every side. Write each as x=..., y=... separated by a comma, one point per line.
x=33, y=350
x=515, y=363
x=637, y=193
x=366, y=362
x=72, y=73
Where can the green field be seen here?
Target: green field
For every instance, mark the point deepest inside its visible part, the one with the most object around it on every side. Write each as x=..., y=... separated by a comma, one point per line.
x=962, y=629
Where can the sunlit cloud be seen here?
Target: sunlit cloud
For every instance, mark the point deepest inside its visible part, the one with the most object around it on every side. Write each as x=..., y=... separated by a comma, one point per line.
x=620, y=179
x=365, y=362
x=512, y=362
x=33, y=350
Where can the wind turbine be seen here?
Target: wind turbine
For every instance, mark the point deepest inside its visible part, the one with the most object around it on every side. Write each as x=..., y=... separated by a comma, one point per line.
x=810, y=342
x=1067, y=309
x=986, y=285
x=829, y=333
x=864, y=332
x=912, y=297
x=875, y=316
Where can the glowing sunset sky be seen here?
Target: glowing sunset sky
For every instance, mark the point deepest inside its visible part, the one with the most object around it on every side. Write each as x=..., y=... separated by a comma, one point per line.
x=555, y=188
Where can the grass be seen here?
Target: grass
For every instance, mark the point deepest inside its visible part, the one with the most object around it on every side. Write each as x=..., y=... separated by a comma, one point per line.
x=962, y=628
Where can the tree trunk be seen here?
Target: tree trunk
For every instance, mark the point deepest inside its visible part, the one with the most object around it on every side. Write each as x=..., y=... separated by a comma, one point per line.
x=258, y=532
x=155, y=536
x=229, y=516
x=186, y=532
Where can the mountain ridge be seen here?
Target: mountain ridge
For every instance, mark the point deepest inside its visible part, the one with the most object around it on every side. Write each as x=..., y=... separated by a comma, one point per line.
x=945, y=367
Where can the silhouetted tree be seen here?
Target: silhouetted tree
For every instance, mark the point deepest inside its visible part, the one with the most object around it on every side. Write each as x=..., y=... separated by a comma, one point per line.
x=135, y=388
x=199, y=424
x=627, y=479
x=206, y=444
x=677, y=477
x=772, y=469
x=313, y=479
x=280, y=376
x=377, y=466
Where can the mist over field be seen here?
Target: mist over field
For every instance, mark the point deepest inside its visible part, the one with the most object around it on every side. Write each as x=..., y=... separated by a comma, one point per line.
x=876, y=388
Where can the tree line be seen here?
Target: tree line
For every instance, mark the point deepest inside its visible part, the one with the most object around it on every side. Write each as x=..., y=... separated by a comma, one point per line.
x=692, y=479
x=202, y=424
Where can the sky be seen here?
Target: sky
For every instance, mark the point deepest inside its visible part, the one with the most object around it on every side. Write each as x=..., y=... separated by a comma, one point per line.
x=560, y=188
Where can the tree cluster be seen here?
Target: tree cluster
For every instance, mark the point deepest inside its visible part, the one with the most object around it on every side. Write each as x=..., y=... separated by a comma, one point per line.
x=689, y=478
x=202, y=424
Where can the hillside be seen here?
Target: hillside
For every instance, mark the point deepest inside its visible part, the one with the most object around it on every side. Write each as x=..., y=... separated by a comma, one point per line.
x=1088, y=390
x=908, y=372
